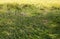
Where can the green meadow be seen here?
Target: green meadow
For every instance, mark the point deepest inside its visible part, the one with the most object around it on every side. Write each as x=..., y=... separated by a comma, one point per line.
x=27, y=21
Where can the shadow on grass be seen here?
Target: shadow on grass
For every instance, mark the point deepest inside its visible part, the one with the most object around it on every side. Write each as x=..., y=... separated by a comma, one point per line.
x=29, y=22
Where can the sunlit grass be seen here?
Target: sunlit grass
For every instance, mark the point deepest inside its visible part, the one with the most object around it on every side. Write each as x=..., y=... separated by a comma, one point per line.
x=47, y=3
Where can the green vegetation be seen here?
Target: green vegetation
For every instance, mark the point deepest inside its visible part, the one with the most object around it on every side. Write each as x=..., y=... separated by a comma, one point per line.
x=29, y=22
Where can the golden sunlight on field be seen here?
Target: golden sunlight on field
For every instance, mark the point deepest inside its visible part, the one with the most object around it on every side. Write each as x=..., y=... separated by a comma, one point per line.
x=37, y=2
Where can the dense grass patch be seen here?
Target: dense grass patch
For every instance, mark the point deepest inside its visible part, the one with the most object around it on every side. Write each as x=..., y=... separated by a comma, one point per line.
x=29, y=22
